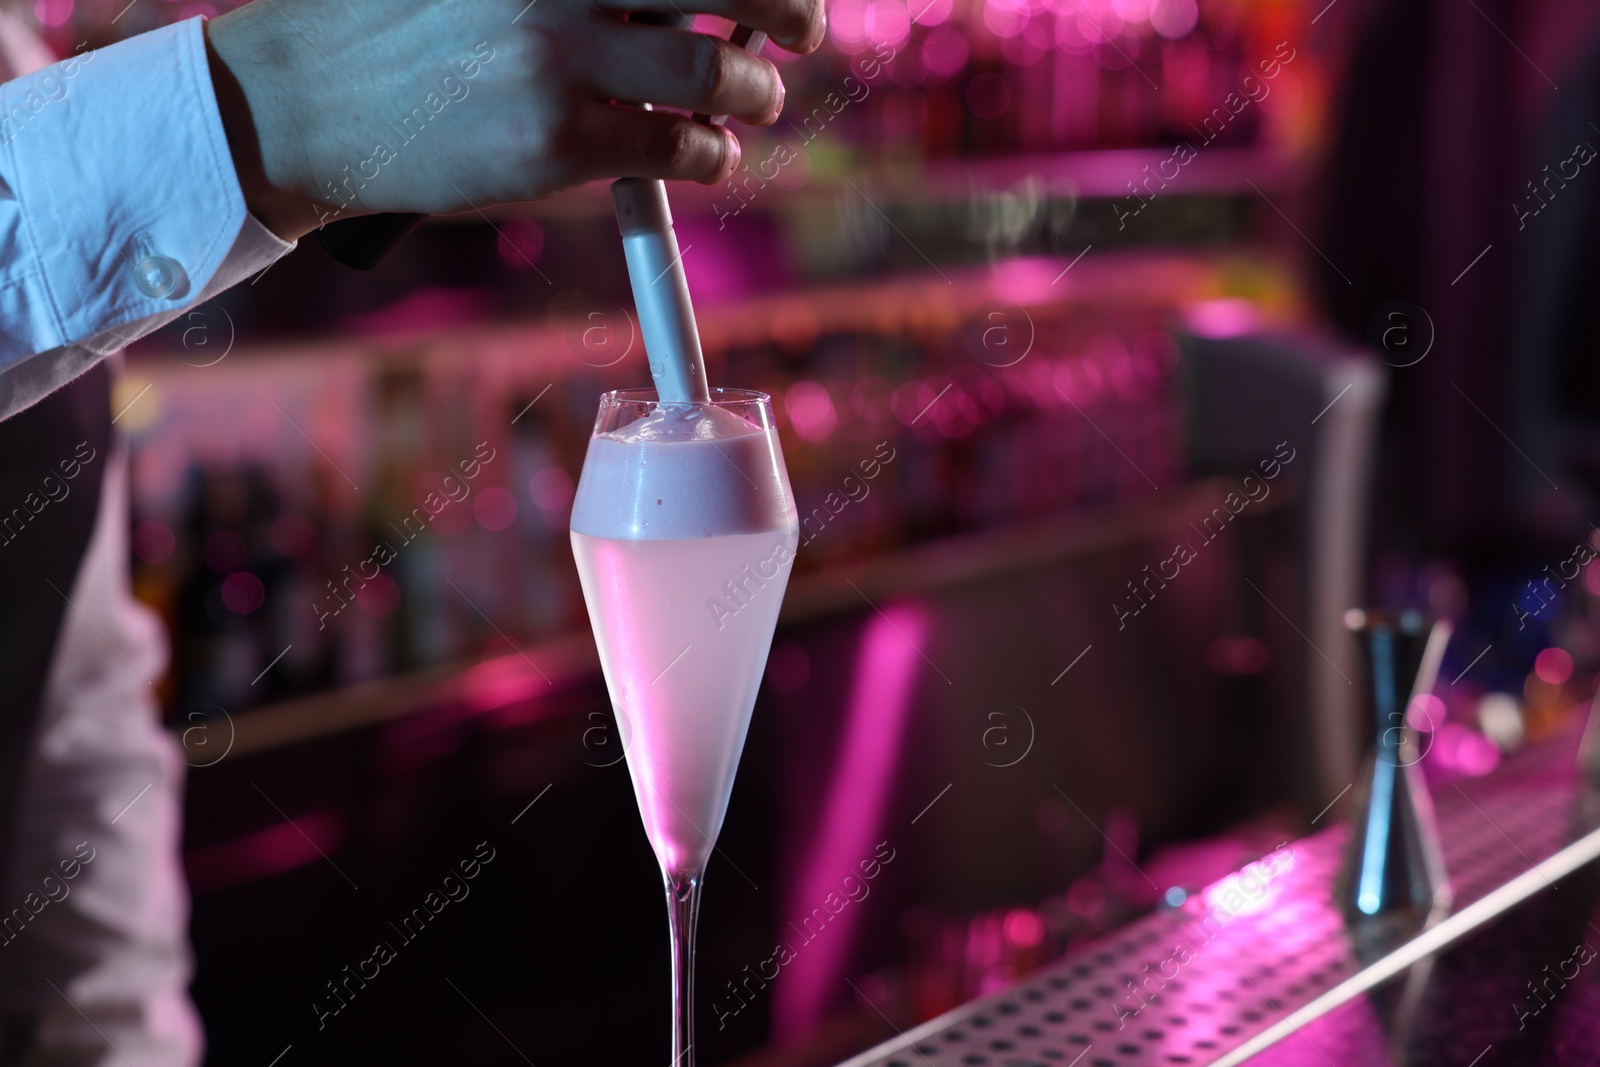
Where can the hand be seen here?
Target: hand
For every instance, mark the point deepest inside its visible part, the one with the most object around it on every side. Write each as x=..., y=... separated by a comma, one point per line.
x=334, y=110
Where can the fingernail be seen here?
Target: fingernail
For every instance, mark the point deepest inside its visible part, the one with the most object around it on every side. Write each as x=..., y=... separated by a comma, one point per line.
x=782, y=92
x=735, y=153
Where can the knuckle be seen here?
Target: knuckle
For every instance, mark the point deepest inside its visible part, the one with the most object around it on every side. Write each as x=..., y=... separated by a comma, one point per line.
x=795, y=20
x=800, y=16
x=813, y=19
x=682, y=147
x=713, y=70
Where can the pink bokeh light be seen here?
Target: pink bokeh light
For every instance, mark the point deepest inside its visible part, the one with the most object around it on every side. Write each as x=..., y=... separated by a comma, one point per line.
x=1174, y=19
x=52, y=12
x=379, y=597
x=495, y=509
x=811, y=410
x=1553, y=665
x=945, y=51
x=1024, y=928
x=1223, y=317
x=1426, y=712
x=847, y=25
x=1463, y=751
x=153, y=542
x=551, y=489
x=1005, y=18
x=887, y=22
x=988, y=95
x=519, y=243
x=242, y=592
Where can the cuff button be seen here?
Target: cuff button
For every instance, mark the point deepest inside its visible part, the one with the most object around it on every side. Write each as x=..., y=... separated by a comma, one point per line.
x=159, y=277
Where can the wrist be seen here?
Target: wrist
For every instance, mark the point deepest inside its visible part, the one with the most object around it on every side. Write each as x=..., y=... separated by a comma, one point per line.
x=254, y=88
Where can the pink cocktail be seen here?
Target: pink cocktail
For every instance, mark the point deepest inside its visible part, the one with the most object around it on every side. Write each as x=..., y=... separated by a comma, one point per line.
x=684, y=531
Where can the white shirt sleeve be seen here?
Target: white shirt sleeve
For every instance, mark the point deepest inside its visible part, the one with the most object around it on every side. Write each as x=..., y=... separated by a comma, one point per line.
x=119, y=206
x=119, y=210
x=102, y=970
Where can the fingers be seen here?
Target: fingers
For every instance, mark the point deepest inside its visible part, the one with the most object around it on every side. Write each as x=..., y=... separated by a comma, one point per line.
x=688, y=70
x=625, y=142
x=795, y=25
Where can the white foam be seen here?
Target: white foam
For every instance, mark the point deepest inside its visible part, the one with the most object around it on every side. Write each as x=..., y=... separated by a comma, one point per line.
x=683, y=472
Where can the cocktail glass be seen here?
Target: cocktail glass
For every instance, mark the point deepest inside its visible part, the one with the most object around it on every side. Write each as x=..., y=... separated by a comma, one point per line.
x=684, y=531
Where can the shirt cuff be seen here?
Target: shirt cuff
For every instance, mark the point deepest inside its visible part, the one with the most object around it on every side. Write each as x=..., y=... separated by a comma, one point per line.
x=25, y=383
x=124, y=193
x=255, y=248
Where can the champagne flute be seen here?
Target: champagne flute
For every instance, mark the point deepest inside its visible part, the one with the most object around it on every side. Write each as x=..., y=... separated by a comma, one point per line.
x=684, y=531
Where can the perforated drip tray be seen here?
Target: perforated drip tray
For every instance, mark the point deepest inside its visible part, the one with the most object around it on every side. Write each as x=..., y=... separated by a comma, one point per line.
x=1178, y=988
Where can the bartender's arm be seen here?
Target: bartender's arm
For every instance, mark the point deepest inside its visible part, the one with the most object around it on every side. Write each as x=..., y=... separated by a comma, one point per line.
x=147, y=176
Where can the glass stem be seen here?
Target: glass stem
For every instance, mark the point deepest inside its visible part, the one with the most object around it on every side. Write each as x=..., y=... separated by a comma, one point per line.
x=683, y=912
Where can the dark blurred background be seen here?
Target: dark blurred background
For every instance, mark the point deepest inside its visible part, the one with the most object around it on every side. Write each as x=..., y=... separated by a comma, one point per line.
x=1080, y=267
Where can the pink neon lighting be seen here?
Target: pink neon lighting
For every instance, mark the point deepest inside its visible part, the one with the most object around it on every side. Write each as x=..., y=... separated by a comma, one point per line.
x=497, y=682
x=1222, y=317
x=850, y=828
x=1253, y=889
x=264, y=853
